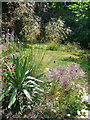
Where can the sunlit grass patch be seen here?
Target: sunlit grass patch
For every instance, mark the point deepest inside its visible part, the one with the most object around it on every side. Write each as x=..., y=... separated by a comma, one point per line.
x=56, y=58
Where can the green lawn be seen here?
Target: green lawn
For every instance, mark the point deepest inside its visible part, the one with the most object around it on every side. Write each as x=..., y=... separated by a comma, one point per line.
x=62, y=57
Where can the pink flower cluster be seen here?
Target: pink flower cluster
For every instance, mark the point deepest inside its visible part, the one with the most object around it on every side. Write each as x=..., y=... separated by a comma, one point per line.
x=64, y=75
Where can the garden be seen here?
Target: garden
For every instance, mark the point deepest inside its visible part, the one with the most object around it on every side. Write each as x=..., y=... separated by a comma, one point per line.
x=45, y=61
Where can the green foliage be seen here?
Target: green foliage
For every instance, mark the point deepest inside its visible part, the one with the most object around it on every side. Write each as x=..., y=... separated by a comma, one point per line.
x=58, y=101
x=30, y=22
x=55, y=102
x=72, y=47
x=62, y=99
x=53, y=46
x=80, y=9
x=50, y=22
x=19, y=85
x=82, y=16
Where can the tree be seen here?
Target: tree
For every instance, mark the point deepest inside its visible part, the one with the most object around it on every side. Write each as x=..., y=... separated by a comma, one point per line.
x=81, y=11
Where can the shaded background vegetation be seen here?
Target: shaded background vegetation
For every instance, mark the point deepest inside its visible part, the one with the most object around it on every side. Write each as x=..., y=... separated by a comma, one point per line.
x=42, y=22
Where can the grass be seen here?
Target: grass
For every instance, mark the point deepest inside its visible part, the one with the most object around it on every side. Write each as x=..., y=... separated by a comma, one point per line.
x=62, y=57
x=65, y=55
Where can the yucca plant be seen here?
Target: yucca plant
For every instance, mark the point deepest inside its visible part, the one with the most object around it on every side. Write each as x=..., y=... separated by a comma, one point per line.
x=19, y=85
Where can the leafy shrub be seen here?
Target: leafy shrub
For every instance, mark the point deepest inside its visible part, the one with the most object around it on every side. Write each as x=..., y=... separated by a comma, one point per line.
x=81, y=31
x=20, y=88
x=30, y=29
x=53, y=46
x=72, y=47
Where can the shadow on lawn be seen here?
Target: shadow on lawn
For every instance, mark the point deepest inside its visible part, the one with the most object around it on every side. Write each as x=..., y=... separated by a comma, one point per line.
x=82, y=61
x=69, y=59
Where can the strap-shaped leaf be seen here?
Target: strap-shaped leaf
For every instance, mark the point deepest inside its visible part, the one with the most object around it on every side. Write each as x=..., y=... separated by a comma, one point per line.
x=25, y=65
x=17, y=68
x=32, y=82
x=28, y=72
x=32, y=78
x=14, y=60
x=12, y=80
x=13, y=98
x=27, y=94
x=6, y=92
x=36, y=88
x=2, y=96
x=9, y=73
x=28, y=85
x=39, y=76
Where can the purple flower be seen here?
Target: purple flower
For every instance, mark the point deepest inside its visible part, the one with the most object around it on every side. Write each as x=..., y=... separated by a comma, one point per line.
x=65, y=75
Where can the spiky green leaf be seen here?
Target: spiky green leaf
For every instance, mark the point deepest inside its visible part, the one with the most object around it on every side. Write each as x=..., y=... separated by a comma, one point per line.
x=27, y=94
x=13, y=98
x=6, y=92
x=32, y=78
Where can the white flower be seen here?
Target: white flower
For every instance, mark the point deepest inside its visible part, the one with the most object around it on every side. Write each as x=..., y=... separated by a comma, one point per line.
x=18, y=42
x=81, y=117
x=47, y=103
x=78, y=112
x=68, y=115
x=72, y=83
x=56, y=98
x=84, y=90
x=85, y=112
x=80, y=91
x=53, y=110
x=47, y=69
x=85, y=97
x=78, y=86
x=88, y=98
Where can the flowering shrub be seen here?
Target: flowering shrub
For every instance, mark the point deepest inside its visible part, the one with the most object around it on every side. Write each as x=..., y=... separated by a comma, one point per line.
x=63, y=98
x=57, y=31
x=65, y=75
